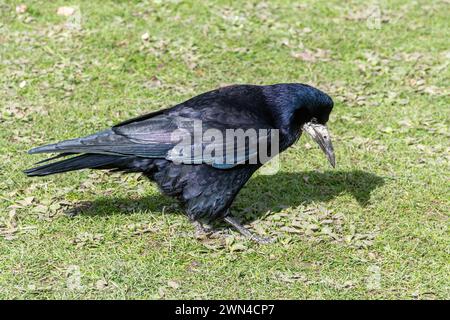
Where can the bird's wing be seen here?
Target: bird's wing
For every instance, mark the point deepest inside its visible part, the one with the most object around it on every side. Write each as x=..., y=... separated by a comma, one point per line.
x=176, y=138
x=209, y=138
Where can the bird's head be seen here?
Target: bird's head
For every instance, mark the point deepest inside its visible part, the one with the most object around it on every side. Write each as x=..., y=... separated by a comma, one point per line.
x=309, y=109
x=315, y=105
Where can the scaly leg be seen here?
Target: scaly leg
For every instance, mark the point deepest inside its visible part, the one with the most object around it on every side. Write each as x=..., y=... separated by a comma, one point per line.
x=245, y=232
x=200, y=230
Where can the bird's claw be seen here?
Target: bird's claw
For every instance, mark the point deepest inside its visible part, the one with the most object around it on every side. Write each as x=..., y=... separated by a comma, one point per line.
x=262, y=240
x=245, y=232
x=201, y=231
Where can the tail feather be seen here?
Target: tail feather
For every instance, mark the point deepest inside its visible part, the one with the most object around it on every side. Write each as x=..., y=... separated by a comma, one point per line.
x=84, y=161
x=61, y=155
x=107, y=142
x=103, y=141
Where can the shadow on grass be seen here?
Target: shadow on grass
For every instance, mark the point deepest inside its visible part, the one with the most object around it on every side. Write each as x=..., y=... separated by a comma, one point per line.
x=261, y=194
x=312, y=186
x=273, y=193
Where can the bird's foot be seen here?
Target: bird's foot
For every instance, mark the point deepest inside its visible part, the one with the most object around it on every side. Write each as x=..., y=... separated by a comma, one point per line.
x=245, y=232
x=201, y=231
x=261, y=240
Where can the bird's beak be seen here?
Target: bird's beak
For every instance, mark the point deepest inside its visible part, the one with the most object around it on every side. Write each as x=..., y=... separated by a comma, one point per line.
x=320, y=134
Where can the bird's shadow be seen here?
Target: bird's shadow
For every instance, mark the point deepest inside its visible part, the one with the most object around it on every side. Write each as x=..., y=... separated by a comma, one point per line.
x=291, y=189
x=261, y=194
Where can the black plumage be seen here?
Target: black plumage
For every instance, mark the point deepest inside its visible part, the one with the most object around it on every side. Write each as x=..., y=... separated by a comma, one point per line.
x=206, y=188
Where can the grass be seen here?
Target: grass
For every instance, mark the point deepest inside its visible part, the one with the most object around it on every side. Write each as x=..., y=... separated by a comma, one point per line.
x=375, y=227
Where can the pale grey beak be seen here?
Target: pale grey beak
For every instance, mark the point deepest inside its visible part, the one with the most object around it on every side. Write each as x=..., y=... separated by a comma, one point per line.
x=320, y=134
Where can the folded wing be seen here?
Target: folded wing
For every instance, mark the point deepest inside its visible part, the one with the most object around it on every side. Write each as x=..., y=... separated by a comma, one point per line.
x=175, y=137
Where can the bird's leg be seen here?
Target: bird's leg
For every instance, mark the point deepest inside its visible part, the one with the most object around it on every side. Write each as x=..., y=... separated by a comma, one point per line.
x=245, y=232
x=200, y=230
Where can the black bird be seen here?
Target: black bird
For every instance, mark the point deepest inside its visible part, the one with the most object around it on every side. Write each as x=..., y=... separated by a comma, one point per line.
x=205, y=185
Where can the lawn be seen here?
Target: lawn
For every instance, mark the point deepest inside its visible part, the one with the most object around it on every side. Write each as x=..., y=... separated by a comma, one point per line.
x=374, y=227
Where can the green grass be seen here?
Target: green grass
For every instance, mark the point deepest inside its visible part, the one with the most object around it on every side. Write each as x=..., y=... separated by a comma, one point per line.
x=375, y=227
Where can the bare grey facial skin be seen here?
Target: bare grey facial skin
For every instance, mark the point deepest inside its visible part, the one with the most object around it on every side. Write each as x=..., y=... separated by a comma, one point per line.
x=320, y=134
